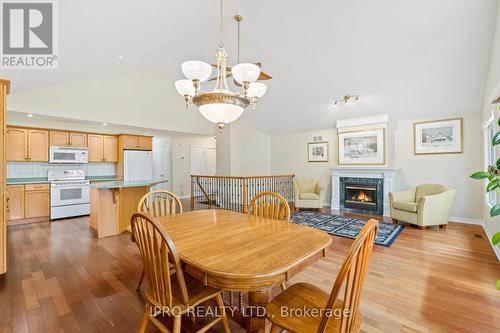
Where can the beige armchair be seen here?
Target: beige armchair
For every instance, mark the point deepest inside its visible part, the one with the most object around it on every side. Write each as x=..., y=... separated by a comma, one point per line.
x=308, y=193
x=423, y=205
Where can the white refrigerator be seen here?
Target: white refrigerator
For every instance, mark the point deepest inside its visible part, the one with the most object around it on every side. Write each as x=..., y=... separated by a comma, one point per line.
x=137, y=165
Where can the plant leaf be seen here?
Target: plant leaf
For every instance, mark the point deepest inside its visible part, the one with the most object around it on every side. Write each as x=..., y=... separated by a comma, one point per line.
x=496, y=139
x=492, y=185
x=496, y=239
x=498, y=162
x=480, y=175
x=495, y=210
x=498, y=284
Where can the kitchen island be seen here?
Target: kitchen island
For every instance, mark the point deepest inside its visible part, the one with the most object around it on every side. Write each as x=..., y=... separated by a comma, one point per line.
x=113, y=203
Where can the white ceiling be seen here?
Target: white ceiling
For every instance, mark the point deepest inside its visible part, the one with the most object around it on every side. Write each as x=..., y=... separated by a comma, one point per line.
x=410, y=59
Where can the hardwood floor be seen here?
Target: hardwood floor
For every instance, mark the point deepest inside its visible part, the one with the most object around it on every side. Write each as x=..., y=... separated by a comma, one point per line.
x=62, y=279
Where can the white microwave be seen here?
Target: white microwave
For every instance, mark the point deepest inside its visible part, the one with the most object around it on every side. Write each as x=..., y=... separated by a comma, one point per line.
x=68, y=155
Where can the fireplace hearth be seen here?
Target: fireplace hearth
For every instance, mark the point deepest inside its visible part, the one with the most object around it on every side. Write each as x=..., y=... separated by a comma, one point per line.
x=362, y=195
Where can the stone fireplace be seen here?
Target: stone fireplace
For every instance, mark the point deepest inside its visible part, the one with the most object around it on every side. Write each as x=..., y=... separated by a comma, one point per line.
x=362, y=189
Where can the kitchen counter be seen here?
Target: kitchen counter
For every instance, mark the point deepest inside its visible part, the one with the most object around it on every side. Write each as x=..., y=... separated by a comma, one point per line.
x=44, y=180
x=112, y=204
x=125, y=184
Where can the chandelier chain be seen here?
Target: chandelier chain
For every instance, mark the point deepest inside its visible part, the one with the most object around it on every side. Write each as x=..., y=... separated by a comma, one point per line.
x=221, y=27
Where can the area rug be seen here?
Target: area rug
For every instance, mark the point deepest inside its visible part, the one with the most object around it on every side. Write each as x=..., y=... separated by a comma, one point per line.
x=346, y=226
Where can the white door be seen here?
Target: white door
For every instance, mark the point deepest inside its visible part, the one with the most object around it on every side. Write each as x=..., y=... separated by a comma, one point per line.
x=210, y=159
x=198, y=166
x=161, y=166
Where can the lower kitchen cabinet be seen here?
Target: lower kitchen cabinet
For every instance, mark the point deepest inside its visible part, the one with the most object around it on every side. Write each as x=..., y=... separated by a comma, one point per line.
x=15, y=200
x=28, y=203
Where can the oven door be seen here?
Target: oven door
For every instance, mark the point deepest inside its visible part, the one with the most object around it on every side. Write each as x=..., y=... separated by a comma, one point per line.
x=69, y=194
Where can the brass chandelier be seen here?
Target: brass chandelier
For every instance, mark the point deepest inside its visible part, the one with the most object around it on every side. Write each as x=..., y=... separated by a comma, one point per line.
x=220, y=106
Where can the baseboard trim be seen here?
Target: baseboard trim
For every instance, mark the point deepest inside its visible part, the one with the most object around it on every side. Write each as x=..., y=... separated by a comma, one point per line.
x=465, y=220
x=496, y=249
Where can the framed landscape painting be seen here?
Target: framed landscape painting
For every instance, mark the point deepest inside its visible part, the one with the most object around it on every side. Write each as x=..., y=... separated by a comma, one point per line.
x=364, y=147
x=438, y=137
x=317, y=151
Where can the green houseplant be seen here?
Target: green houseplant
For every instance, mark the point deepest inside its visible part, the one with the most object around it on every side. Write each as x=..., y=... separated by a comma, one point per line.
x=492, y=175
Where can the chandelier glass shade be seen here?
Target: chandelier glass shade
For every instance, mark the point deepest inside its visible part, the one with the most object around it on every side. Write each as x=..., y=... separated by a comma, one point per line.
x=220, y=105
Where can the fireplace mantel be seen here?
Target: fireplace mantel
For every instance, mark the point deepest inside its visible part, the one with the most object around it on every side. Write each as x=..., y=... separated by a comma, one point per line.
x=385, y=173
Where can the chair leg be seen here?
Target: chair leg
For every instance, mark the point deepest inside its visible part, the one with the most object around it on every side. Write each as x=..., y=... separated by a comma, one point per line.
x=144, y=321
x=140, y=281
x=177, y=324
x=275, y=329
x=222, y=309
x=395, y=221
x=283, y=286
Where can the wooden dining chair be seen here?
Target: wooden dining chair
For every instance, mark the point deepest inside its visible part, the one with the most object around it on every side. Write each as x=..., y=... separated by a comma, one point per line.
x=270, y=205
x=158, y=203
x=167, y=293
x=332, y=313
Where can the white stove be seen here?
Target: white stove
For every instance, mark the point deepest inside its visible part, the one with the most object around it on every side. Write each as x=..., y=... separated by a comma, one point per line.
x=69, y=193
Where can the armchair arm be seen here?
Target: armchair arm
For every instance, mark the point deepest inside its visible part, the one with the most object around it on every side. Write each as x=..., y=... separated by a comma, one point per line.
x=321, y=192
x=296, y=191
x=406, y=196
x=435, y=209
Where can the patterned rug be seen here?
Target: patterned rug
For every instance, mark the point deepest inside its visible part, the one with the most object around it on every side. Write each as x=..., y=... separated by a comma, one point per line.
x=346, y=226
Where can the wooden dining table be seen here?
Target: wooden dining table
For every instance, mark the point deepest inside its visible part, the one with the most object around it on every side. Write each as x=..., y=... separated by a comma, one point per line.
x=240, y=252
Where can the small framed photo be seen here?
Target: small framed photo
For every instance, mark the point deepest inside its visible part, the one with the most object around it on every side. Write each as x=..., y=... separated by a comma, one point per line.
x=318, y=151
x=438, y=137
x=362, y=147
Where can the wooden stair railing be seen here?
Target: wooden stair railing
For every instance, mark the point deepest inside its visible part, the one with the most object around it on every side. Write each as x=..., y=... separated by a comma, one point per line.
x=234, y=193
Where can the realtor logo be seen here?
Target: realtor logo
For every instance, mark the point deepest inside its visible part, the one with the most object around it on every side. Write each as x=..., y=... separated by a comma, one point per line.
x=28, y=34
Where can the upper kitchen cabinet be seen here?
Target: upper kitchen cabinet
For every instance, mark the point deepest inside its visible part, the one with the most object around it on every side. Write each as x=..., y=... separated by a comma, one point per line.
x=59, y=139
x=137, y=142
x=38, y=145
x=102, y=148
x=68, y=139
x=27, y=145
x=110, y=148
x=17, y=144
x=78, y=140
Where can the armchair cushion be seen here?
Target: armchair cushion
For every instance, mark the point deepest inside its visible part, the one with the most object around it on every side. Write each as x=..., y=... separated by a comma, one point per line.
x=309, y=196
x=307, y=185
x=406, y=206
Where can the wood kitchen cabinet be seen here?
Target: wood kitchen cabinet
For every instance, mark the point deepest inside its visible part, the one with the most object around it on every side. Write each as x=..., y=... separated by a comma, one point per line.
x=137, y=142
x=4, y=91
x=27, y=145
x=78, y=140
x=28, y=203
x=68, y=139
x=38, y=145
x=17, y=144
x=15, y=202
x=36, y=202
x=103, y=148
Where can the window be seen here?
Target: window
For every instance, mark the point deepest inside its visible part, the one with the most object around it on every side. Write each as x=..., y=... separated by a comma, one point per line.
x=490, y=154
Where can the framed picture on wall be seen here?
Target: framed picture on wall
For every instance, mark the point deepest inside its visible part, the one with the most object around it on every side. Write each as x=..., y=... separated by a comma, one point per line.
x=317, y=151
x=362, y=147
x=438, y=137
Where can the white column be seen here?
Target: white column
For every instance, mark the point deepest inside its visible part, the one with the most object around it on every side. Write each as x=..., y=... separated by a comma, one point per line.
x=335, y=191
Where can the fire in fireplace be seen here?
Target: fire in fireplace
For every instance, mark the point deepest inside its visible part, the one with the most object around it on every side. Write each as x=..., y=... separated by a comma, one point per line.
x=362, y=197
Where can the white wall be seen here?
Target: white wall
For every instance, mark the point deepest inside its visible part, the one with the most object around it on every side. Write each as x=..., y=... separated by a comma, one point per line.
x=492, y=91
x=181, y=161
x=243, y=151
x=289, y=155
x=142, y=99
x=449, y=169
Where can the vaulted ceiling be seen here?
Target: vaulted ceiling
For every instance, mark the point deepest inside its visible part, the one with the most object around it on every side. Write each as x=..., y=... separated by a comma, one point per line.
x=410, y=59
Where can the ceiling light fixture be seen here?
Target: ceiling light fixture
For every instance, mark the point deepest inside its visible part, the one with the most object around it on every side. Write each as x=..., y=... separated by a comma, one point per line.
x=104, y=124
x=221, y=106
x=347, y=99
